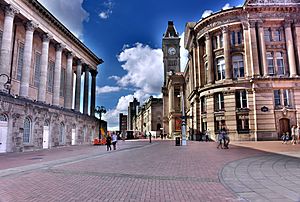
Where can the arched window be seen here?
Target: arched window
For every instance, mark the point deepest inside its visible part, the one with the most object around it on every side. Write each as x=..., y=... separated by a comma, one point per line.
x=62, y=133
x=3, y=118
x=220, y=68
x=47, y=123
x=238, y=66
x=27, y=130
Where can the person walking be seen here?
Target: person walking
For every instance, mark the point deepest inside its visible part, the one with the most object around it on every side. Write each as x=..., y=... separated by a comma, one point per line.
x=108, y=142
x=293, y=131
x=226, y=138
x=150, y=137
x=114, y=138
x=220, y=139
x=207, y=134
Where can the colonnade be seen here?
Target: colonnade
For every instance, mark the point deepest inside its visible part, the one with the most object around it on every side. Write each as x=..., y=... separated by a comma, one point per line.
x=5, y=64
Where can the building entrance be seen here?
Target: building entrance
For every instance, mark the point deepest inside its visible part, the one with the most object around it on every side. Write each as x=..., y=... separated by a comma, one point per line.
x=284, y=125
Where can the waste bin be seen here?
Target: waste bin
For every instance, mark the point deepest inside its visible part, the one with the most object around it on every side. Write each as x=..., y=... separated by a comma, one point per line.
x=177, y=141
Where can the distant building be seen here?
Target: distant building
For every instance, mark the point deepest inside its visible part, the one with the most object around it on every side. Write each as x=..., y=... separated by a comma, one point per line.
x=132, y=110
x=149, y=116
x=122, y=122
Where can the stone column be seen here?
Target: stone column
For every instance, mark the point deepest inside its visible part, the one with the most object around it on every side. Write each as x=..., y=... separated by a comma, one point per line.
x=290, y=48
x=209, y=54
x=199, y=61
x=44, y=68
x=247, y=58
x=253, y=50
x=69, y=82
x=262, y=44
x=6, y=47
x=93, y=92
x=195, y=66
x=297, y=31
x=24, y=86
x=228, y=67
x=78, y=85
x=86, y=90
x=171, y=99
x=57, y=72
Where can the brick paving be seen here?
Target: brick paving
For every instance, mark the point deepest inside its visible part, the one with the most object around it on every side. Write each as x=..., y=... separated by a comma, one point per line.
x=137, y=171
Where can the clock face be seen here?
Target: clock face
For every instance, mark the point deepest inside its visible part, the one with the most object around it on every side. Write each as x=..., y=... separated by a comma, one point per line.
x=172, y=51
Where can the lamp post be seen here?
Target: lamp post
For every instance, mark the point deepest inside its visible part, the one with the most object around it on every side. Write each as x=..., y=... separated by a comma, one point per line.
x=100, y=110
x=7, y=84
x=183, y=124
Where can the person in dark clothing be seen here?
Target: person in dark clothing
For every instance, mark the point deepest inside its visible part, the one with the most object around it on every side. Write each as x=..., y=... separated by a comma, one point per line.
x=150, y=137
x=108, y=143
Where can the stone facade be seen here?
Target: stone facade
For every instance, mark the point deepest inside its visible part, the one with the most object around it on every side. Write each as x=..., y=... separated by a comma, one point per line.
x=149, y=116
x=243, y=70
x=40, y=59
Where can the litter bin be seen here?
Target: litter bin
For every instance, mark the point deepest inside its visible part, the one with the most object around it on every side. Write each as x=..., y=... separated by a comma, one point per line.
x=177, y=141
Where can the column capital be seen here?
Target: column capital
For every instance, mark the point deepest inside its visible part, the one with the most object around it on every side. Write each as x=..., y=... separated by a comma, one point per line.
x=252, y=23
x=94, y=72
x=46, y=37
x=207, y=36
x=59, y=47
x=70, y=55
x=31, y=25
x=260, y=24
x=245, y=25
x=79, y=61
x=288, y=23
x=11, y=10
x=225, y=29
x=86, y=67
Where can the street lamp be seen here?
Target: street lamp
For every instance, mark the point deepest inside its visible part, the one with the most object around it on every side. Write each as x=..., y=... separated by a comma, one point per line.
x=183, y=124
x=7, y=84
x=100, y=110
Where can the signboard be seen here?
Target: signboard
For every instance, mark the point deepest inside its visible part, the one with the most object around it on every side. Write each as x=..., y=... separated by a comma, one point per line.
x=177, y=124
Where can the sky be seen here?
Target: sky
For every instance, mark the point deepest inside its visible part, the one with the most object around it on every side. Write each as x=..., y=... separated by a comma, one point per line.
x=127, y=35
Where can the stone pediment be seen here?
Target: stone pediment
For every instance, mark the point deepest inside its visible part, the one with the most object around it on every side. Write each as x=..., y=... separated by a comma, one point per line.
x=271, y=2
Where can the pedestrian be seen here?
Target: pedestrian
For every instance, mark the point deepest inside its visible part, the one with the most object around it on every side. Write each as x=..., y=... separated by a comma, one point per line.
x=226, y=138
x=108, y=142
x=293, y=131
x=207, y=134
x=283, y=138
x=114, y=140
x=220, y=139
x=287, y=137
x=297, y=134
x=150, y=137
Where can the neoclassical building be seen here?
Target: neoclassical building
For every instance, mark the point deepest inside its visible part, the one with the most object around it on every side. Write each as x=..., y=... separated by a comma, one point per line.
x=41, y=65
x=243, y=70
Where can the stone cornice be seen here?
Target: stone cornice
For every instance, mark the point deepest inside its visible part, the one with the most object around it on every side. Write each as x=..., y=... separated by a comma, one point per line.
x=52, y=20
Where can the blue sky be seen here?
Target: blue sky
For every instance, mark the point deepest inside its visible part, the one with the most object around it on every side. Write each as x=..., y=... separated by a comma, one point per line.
x=127, y=35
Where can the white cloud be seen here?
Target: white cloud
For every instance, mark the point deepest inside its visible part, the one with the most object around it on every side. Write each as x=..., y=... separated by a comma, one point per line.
x=116, y=78
x=72, y=15
x=183, y=53
x=207, y=13
x=144, y=67
x=108, y=5
x=107, y=89
x=226, y=6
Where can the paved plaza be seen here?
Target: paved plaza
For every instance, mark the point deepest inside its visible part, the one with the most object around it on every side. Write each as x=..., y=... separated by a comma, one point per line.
x=139, y=171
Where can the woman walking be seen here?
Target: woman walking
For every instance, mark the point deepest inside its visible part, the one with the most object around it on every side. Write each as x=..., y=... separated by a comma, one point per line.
x=108, y=142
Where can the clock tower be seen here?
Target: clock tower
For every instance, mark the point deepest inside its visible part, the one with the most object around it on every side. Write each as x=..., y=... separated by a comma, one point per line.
x=171, y=51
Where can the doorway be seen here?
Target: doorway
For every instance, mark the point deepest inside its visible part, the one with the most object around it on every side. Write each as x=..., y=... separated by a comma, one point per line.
x=46, y=135
x=284, y=125
x=3, y=132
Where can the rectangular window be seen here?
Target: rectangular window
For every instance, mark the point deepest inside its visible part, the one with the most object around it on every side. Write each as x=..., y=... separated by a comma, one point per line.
x=270, y=62
x=243, y=123
x=238, y=66
x=37, y=69
x=233, y=38
x=50, y=76
x=267, y=35
x=277, y=35
x=20, y=61
x=219, y=102
x=286, y=98
x=220, y=68
x=1, y=35
x=203, y=104
x=241, y=99
x=62, y=82
x=280, y=63
x=277, y=99
x=221, y=41
x=239, y=37
x=206, y=73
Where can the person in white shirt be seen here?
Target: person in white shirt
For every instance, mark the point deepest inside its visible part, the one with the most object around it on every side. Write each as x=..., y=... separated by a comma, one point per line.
x=114, y=138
